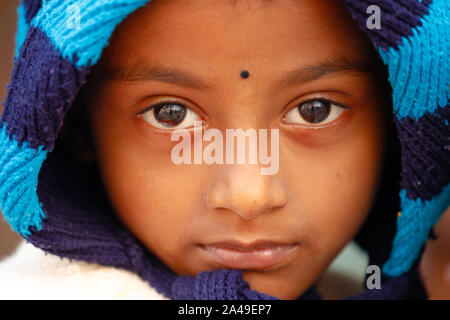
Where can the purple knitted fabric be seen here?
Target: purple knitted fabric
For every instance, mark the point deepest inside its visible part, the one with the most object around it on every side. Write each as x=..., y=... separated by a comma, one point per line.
x=399, y=19
x=63, y=203
x=31, y=8
x=422, y=160
x=44, y=85
x=218, y=285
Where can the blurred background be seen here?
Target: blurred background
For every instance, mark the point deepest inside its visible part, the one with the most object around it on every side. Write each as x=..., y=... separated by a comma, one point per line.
x=8, y=23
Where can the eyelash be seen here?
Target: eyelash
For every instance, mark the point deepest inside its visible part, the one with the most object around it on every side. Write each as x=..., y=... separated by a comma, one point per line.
x=317, y=126
x=308, y=125
x=149, y=108
x=189, y=115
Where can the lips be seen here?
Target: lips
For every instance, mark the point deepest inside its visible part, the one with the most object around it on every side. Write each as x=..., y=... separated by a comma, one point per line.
x=258, y=255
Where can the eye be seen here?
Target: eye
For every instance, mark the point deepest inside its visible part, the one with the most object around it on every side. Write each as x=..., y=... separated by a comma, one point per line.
x=317, y=111
x=169, y=115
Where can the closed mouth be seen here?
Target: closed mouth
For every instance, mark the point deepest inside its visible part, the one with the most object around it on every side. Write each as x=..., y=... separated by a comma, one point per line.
x=260, y=255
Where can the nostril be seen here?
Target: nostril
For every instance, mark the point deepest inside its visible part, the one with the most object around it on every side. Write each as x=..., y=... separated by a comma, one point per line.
x=252, y=214
x=246, y=193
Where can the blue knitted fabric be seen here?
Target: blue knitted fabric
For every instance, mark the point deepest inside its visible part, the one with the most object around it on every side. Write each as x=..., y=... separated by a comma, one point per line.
x=53, y=57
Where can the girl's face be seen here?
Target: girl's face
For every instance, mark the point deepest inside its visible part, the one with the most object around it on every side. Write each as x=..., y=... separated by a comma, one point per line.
x=311, y=76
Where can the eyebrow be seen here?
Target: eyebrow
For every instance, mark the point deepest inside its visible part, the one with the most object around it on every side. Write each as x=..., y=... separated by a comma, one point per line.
x=335, y=66
x=166, y=74
x=161, y=73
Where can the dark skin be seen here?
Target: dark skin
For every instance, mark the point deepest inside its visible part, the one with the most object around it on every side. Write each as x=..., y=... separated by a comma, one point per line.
x=329, y=171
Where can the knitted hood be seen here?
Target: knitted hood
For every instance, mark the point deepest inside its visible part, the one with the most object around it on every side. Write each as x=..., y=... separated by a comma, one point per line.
x=60, y=205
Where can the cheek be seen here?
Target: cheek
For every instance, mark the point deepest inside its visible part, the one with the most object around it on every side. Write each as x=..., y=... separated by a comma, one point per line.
x=153, y=197
x=333, y=186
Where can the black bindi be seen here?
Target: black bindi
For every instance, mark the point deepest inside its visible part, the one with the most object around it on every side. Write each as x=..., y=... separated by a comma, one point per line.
x=245, y=74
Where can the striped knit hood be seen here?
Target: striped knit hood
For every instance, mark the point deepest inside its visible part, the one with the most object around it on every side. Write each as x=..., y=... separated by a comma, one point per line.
x=59, y=205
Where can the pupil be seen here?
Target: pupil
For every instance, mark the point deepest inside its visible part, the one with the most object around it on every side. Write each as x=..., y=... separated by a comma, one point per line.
x=314, y=111
x=170, y=114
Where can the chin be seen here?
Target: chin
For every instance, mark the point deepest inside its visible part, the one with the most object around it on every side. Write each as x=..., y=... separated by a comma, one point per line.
x=277, y=283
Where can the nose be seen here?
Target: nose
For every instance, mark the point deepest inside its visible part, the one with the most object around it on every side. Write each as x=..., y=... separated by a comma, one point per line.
x=244, y=191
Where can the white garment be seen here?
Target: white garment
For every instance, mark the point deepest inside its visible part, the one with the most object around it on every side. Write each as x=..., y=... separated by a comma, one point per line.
x=30, y=273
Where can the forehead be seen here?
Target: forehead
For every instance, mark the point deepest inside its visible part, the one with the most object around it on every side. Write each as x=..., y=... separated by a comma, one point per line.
x=219, y=33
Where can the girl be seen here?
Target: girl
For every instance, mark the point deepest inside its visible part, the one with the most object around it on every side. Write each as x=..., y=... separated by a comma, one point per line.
x=103, y=191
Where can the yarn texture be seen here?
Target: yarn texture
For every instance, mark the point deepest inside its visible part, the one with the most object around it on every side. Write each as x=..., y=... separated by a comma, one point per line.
x=59, y=205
